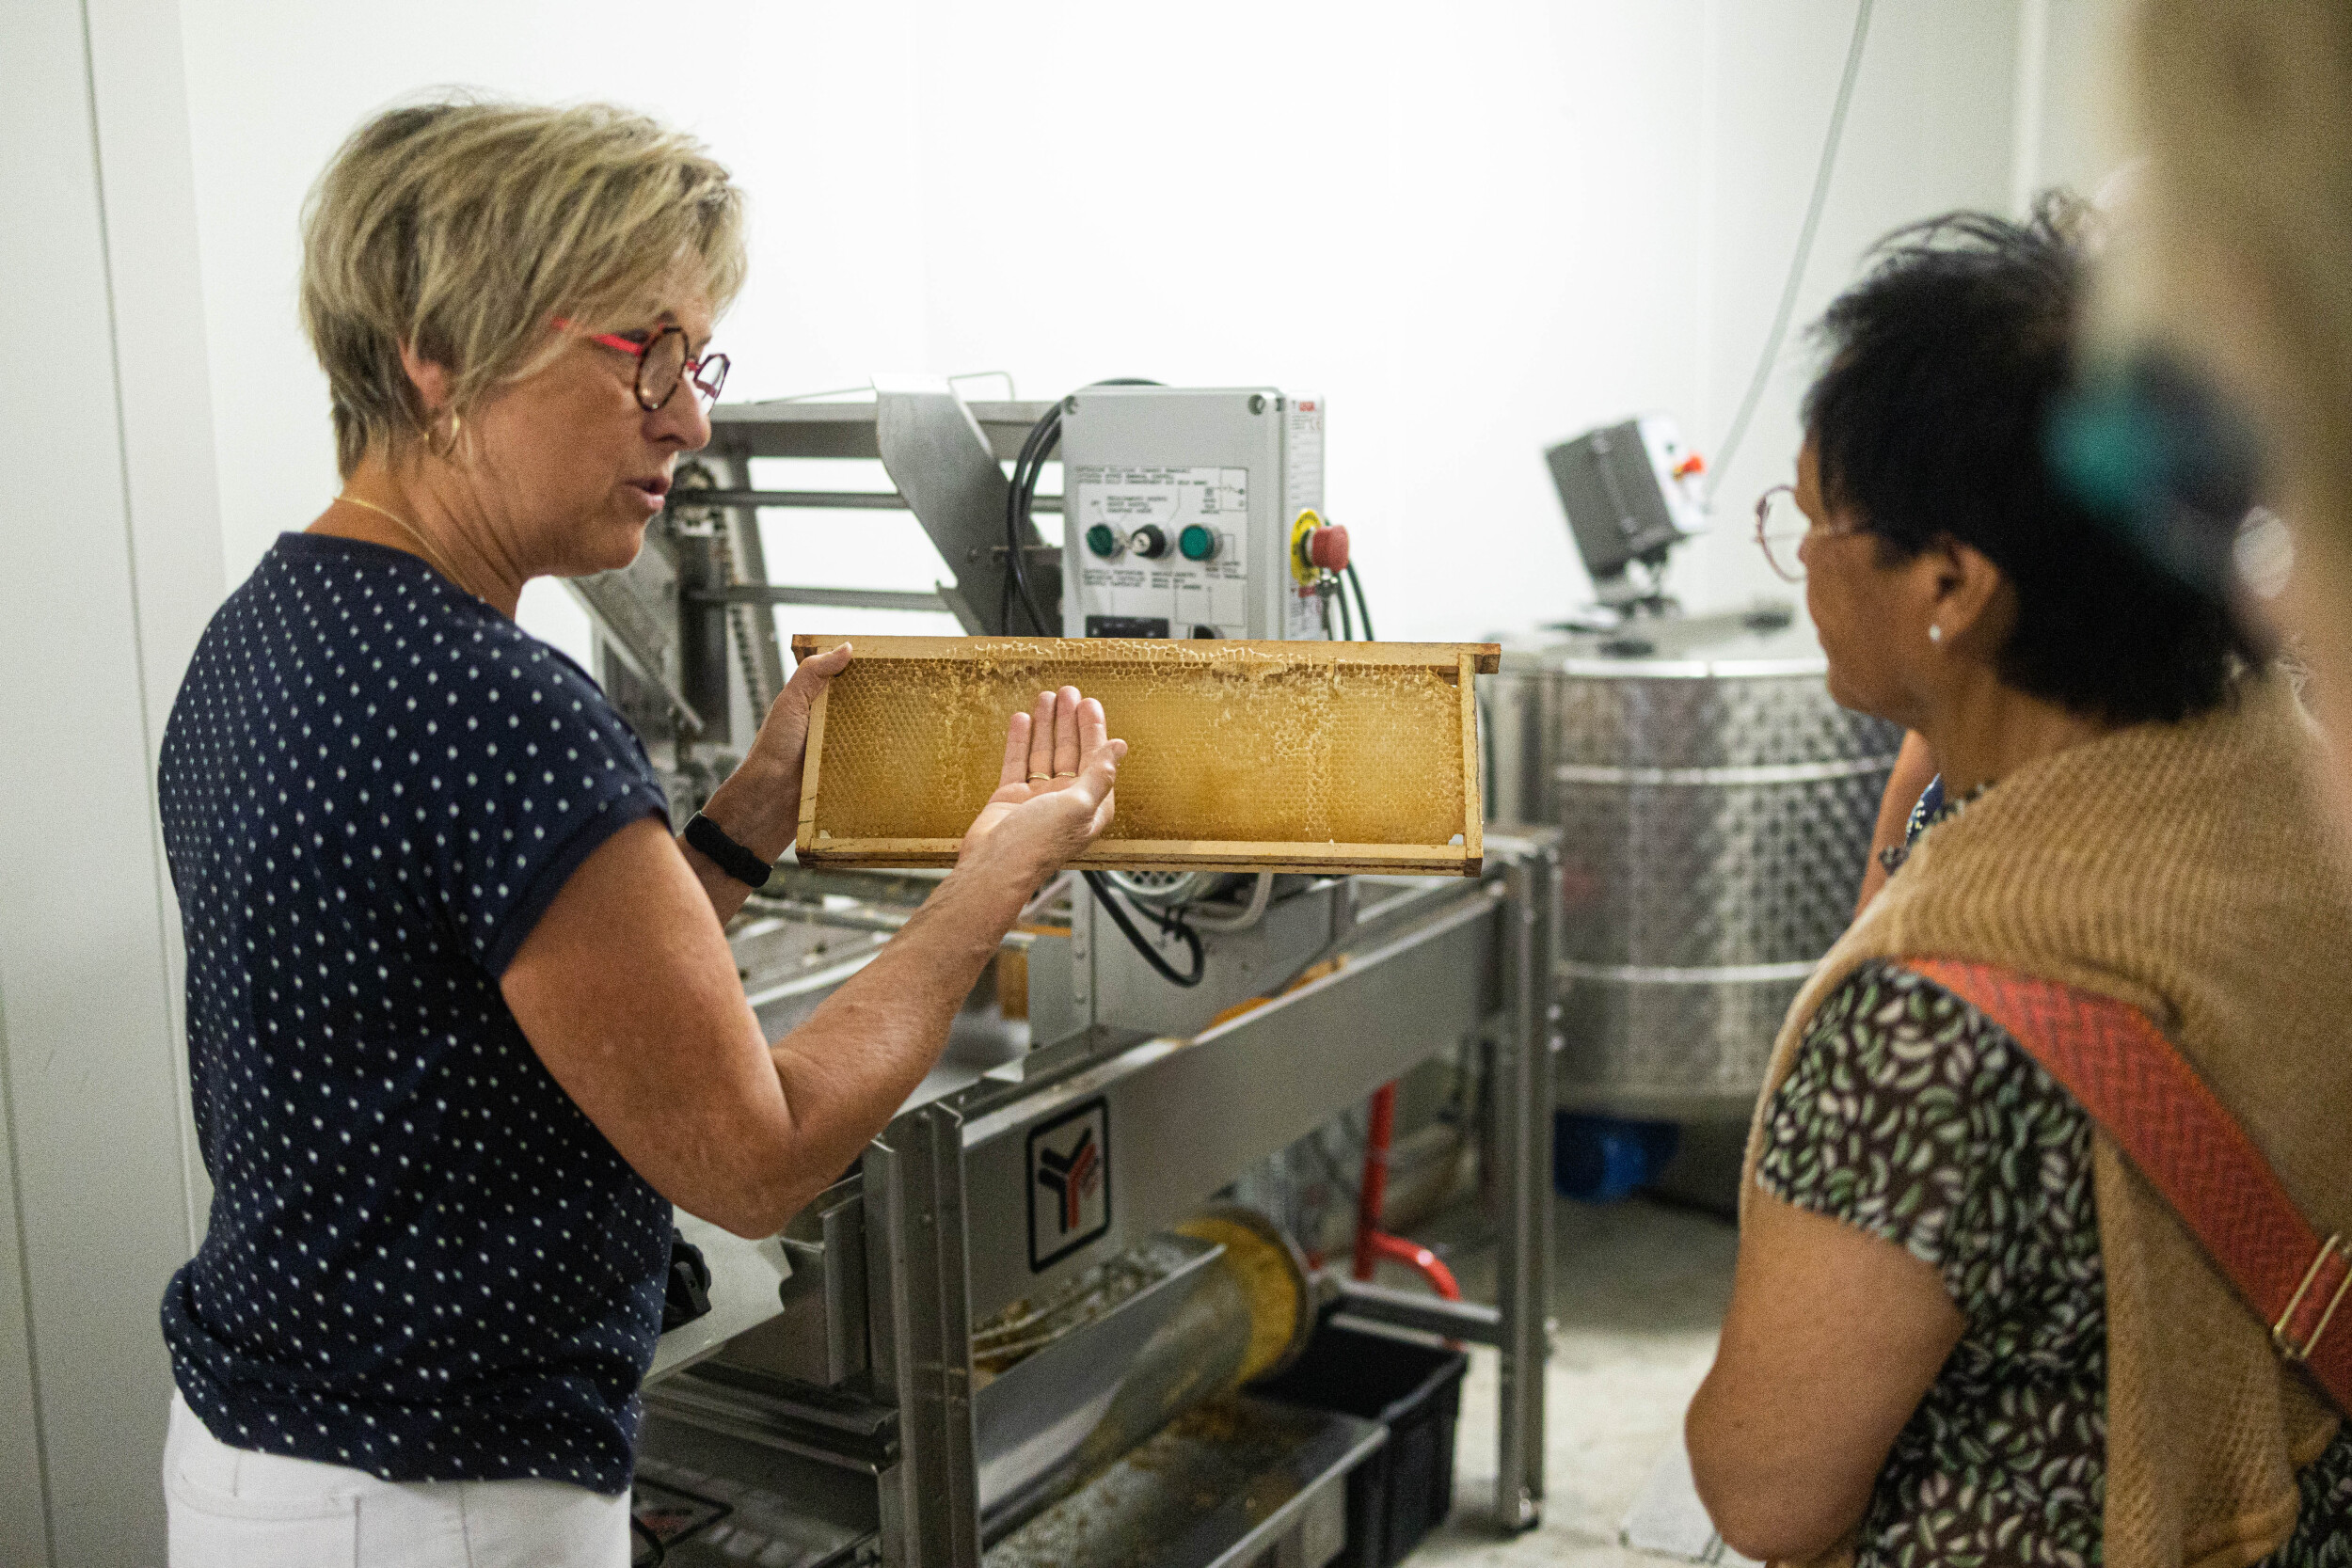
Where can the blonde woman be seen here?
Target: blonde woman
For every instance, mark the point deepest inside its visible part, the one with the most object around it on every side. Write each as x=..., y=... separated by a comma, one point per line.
x=462, y=1021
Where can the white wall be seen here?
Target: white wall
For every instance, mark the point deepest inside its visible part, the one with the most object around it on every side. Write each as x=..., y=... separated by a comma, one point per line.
x=113, y=562
x=1474, y=229
x=1475, y=235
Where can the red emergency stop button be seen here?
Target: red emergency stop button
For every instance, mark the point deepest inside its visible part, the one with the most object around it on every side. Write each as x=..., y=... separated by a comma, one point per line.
x=1325, y=548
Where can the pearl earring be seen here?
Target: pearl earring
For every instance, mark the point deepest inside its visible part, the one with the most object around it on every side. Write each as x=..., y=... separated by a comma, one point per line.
x=1935, y=634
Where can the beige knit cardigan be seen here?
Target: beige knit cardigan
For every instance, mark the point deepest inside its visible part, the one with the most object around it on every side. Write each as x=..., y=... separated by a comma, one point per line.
x=2186, y=870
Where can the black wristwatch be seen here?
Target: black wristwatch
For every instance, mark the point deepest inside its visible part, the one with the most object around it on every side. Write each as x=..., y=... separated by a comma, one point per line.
x=727, y=855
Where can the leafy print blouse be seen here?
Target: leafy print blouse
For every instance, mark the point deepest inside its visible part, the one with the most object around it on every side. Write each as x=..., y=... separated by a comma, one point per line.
x=1912, y=1116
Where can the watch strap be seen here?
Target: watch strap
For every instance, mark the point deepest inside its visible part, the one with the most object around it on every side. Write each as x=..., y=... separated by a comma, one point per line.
x=727, y=855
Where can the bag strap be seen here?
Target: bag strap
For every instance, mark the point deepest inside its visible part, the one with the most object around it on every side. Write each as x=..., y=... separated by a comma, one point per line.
x=2144, y=1094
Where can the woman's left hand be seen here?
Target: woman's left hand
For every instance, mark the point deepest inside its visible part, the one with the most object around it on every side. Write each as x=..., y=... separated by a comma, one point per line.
x=760, y=804
x=1053, y=795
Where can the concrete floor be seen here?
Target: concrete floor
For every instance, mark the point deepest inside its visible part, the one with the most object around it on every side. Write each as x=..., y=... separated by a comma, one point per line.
x=1638, y=1296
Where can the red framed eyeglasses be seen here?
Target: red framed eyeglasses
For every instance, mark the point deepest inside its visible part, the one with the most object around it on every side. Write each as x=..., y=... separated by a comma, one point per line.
x=662, y=364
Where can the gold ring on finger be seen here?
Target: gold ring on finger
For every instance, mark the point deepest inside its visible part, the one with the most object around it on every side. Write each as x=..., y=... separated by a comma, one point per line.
x=1071, y=775
x=1034, y=776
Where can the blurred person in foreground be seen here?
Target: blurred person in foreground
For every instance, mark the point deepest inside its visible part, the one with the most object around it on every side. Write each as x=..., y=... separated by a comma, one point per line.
x=463, y=1024
x=2243, y=112
x=1963, y=1329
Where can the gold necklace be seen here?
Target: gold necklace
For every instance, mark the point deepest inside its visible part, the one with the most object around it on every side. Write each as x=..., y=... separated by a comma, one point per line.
x=439, y=562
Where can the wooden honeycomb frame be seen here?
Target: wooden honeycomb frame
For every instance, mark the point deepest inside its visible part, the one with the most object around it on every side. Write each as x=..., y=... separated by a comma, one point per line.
x=1364, y=701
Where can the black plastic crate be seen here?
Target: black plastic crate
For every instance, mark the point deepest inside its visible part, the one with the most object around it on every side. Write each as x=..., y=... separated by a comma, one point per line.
x=1405, y=1490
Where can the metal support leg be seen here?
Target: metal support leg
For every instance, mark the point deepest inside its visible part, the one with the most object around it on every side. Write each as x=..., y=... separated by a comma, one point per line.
x=1523, y=1113
x=919, y=1309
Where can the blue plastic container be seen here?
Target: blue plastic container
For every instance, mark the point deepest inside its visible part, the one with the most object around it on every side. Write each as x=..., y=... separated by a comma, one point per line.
x=1602, y=1159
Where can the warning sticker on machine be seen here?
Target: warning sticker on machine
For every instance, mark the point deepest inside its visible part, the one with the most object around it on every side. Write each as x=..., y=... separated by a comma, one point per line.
x=1162, y=548
x=1129, y=497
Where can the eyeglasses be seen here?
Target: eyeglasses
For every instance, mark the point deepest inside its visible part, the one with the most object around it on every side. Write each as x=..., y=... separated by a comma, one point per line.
x=662, y=364
x=1781, y=526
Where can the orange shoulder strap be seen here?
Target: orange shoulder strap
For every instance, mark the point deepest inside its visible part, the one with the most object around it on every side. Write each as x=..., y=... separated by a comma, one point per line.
x=2144, y=1094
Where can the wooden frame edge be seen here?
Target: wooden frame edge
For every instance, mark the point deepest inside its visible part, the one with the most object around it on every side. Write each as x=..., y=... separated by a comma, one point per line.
x=1486, y=656
x=1174, y=854
x=805, y=834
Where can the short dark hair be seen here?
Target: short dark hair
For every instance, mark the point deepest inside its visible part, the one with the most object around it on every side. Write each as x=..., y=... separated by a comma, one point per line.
x=1928, y=422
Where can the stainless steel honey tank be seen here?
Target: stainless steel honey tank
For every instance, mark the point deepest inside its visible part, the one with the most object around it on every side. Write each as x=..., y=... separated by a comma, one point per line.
x=1715, y=807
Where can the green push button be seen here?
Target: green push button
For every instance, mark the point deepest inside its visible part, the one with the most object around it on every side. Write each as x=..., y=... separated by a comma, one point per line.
x=1197, y=543
x=1102, y=540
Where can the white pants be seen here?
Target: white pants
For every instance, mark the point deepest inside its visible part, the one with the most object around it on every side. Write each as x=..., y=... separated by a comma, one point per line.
x=231, y=1507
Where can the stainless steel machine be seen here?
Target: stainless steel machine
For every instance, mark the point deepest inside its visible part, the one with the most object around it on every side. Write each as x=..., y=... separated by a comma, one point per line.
x=1715, y=805
x=966, y=1351
x=1715, y=810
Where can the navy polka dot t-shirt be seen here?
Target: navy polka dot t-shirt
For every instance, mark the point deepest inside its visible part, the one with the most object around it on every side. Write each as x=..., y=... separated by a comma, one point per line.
x=423, y=1262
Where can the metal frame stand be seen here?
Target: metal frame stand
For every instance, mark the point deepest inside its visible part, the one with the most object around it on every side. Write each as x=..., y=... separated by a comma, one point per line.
x=1524, y=1059
x=944, y=1196
x=1525, y=1039
x=947, y=1184
x=922, y=1336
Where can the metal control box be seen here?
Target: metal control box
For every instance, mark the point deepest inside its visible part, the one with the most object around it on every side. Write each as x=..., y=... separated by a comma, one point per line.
x=1182, y=511
x=1630, y=491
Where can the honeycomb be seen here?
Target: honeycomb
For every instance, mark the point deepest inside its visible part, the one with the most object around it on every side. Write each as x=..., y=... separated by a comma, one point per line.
x=1227, y=741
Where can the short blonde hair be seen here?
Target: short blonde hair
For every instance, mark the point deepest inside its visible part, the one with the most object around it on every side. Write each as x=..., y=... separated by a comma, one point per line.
x=462, y=228
x=2246, y=110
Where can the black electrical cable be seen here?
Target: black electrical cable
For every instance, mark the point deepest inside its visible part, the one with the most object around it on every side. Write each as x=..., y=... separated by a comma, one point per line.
x=1002, y=625
x=1098, y=885
x=1347, y=616
x=1020, y=496
x=1363, y=611
x=653, y=1541
x=1016, y=561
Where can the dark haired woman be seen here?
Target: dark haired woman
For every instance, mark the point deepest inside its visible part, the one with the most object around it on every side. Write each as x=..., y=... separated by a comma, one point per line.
x=1965, y=1329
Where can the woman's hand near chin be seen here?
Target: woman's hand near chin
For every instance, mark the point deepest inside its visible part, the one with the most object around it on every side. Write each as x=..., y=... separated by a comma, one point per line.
x=1053, y=795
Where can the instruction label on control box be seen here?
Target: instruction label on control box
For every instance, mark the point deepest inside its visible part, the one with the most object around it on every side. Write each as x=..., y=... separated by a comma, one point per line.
x=1194, y=598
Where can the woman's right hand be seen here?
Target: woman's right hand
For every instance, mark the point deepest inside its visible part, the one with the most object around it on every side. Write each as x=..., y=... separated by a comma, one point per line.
x=1053, y=795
